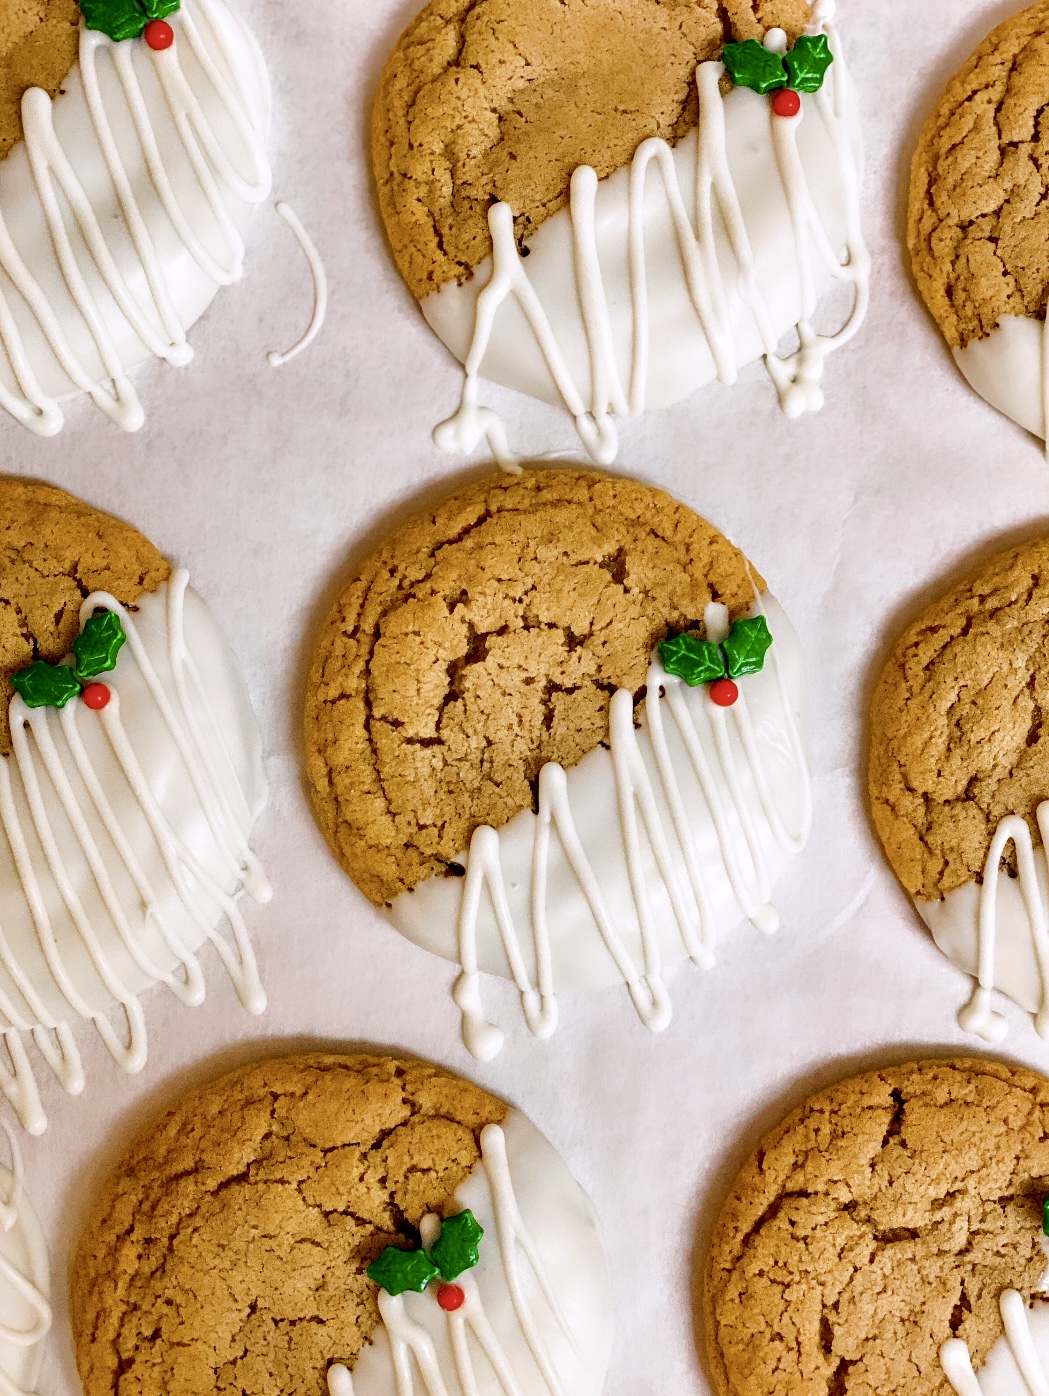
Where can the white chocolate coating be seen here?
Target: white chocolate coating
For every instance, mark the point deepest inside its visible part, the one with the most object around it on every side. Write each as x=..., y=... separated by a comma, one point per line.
x=123, y=843
x=678, y=269
x=998, y=930
x=1009, y=370
x=641, y=856
x=537, y=1320
x=25, y=1311
x=160, y=158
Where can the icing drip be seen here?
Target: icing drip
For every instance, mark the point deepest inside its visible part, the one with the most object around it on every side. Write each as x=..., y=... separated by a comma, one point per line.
x=87, y=232
x=50, y=770
x=957, y=1364
x=978, y=1016
x=320, y=288
x=716, y=763
x=797, y=376
x=410, y=1341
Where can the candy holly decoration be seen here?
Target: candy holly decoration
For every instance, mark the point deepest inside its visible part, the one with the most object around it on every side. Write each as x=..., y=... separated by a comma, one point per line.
x=454, y=1251
x=1045, y=1216
x=751, y=64
x=95, y=652
x=701, y=661
x=127, y=19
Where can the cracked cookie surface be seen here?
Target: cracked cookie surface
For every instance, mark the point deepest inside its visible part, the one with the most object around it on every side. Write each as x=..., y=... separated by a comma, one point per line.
x=978, y=226
x=483, y=639
x=957, y=739
x=54, y=551
x=884, y=1216
x=38, y=46
x=227, y=1252
x=500, y=100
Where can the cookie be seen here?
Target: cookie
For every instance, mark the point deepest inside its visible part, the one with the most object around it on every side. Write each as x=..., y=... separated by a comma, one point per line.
x=887, y=1237
x=310, y=1216
x=977, y=225
x=136, y=151
x=959, y=777
x=130, y=778
x=477, y=699
x=504, y=131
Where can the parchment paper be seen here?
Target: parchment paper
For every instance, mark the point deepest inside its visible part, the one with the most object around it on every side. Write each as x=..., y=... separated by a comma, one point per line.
x=269, y=484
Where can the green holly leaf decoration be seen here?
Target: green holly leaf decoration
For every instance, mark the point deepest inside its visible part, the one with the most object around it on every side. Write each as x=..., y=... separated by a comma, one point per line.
x=1045, y=1216
x=45, y=685
x=397, y=1270
x=124, y=19
x=808, y=61
x=98, y=644
x=456, y=1248
x=750, y=64
x=746, y=646
x=695, y=661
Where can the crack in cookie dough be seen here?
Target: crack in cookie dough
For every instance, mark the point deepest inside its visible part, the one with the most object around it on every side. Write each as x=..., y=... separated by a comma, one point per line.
x=227, y=1252
x=485, y=639
x=883, y=1217
x=957, y=724
x=979, y=218
x=489, y=100
x=55, y=551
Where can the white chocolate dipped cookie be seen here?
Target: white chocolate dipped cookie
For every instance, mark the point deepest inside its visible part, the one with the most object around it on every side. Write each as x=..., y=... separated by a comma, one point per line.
x=124, y=199
x=610, y=205
x=130, y=779
x=959, y=779
x=368, y=1226
x=975, y=227
x=555, y=727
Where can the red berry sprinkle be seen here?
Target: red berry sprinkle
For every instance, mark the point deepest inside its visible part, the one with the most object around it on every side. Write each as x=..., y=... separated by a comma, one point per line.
x=451, y=1297
x=159, y=34
x=785, y=102
x=96, y=696
x=723, y=692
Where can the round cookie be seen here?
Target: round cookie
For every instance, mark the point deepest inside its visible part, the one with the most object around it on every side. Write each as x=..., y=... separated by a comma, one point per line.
x=977, y=223
x=483, y=667
x=885, y=1236
x=130, y=778
x=132, y=155
x=959, y=777
x=499, y=128
x=230, y=1248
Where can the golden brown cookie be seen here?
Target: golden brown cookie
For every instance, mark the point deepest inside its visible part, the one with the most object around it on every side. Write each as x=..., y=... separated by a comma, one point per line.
x=978, y=227
x=38, y=46
x=882, y=1218
x=54, y=551
x=484, y=639
x=227, y=1251
x=488, y=100
x=957, y=740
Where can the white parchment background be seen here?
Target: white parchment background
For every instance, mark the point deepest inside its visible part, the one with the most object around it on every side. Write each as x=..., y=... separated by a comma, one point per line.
x=268, y=485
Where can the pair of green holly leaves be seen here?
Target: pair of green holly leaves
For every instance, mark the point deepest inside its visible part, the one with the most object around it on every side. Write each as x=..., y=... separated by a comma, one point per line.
x=124, y=19
x=95, y=652
x=454, y=1251
x=702, y=661
x=752, y=65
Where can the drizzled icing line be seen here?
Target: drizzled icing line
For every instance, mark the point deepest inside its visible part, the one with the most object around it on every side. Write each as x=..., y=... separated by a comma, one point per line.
x=150, y=308
x=47, y=747
x=978, y=1016
x=957, y=1364
x=409, y=1341
x=703, y=727
x=797, y=376
x=277, y=359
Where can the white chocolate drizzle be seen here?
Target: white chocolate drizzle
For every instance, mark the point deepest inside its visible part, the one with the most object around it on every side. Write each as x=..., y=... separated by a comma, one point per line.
x=48, y=749
x=679, y=865
x=797, y=376
x=957, y=1364
x=277, y=359
x=80, y=230
x=978, y=1016
x=410, y=1341
x=13, y=1278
